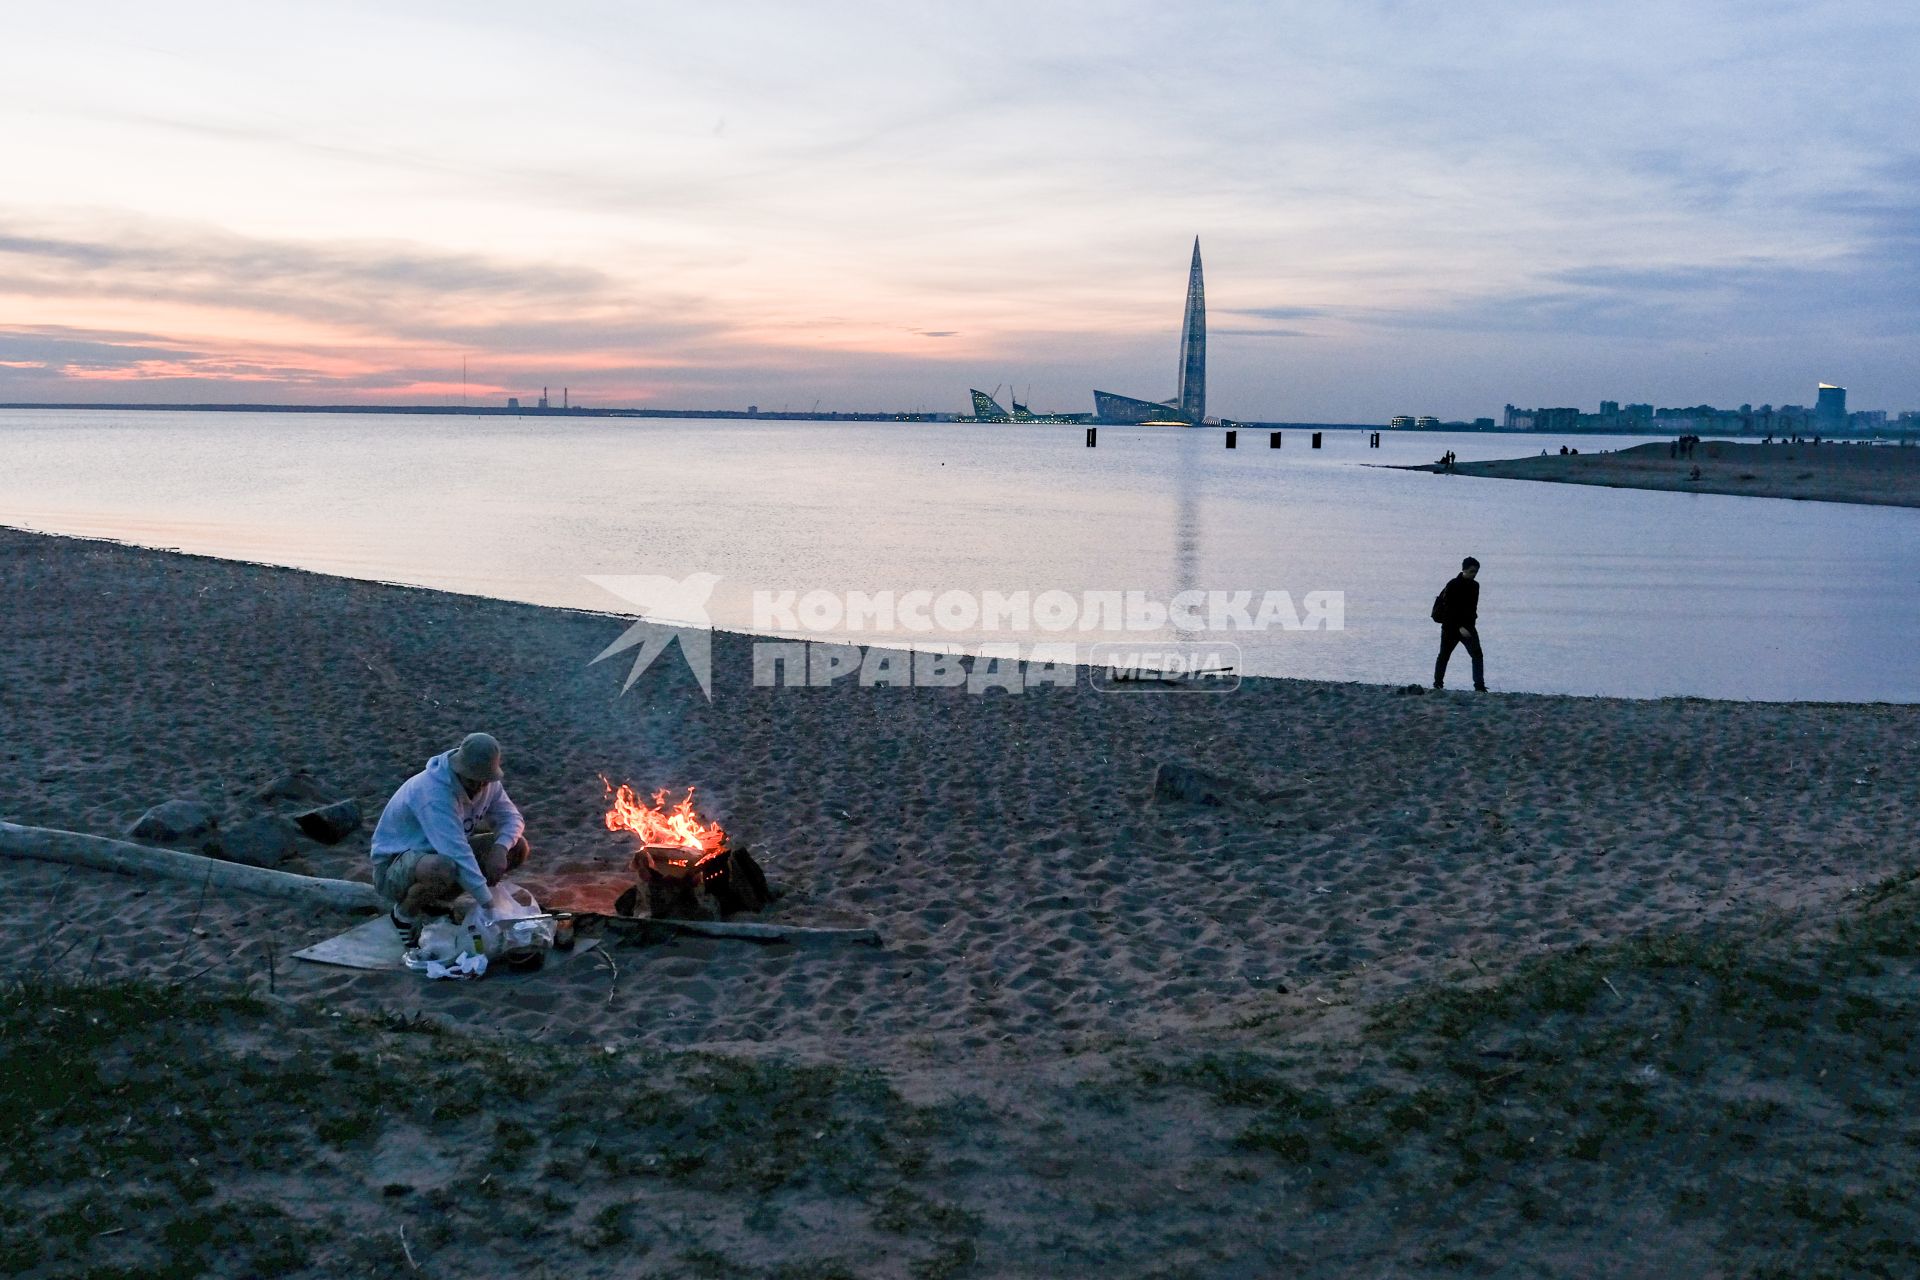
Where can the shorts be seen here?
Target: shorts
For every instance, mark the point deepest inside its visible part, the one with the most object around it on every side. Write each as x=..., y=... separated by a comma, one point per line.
x=392, y=878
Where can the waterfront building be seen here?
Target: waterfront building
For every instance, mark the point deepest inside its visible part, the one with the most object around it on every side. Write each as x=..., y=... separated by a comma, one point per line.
x=1108, y=407
x=986, y=408
x=1188, y=405
x=1830, y=409
x=1193, y=345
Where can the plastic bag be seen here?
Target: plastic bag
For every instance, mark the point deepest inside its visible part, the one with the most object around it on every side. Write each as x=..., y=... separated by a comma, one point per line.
x=466, y=968
x=519, y=928
x=445, y=950
x=511, y=902
x=442, y=941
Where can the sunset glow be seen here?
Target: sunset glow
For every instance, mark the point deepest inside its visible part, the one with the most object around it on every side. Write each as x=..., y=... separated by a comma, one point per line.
x=1403, y=209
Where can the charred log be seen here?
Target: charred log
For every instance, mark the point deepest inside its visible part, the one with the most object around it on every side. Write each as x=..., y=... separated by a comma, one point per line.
x=728, y=883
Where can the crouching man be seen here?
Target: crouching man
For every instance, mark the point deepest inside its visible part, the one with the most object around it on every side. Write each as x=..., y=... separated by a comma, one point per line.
x=449, y=827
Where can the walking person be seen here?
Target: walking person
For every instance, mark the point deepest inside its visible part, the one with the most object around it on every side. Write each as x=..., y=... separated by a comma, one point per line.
x=1457, y=610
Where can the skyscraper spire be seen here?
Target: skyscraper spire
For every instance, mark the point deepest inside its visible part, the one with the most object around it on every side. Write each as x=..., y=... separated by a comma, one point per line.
x=1193, y=346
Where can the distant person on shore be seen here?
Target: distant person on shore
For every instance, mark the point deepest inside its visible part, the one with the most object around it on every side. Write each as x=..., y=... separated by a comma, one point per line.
x=1457, y=610
x=449, y=827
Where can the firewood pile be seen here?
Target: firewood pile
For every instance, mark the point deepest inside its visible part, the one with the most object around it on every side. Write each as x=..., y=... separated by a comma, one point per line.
x=694, y=884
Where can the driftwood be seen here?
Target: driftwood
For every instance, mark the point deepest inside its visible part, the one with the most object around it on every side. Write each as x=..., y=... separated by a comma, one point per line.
x=718, y=885
x=47, y=844
x=652, y=927
x=796, y=935
x=673, y=897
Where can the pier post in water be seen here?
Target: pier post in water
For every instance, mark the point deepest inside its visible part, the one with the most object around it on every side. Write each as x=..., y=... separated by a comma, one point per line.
x=1233, y=439
x=1092, y=434
x=1316, y=439
x=1273, y=439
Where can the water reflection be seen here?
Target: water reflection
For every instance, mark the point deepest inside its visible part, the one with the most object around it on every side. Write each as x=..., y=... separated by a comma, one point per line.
x=1589, y=590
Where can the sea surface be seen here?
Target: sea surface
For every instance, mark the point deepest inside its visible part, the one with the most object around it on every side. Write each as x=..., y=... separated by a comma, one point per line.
x=1583, y=590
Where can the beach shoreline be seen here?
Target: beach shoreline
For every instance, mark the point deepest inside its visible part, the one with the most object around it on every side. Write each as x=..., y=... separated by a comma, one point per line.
x=1831, y=472
x=1053, y=927
x=146, y=675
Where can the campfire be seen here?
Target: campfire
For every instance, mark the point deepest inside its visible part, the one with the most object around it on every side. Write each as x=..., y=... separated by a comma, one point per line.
x=684, y=866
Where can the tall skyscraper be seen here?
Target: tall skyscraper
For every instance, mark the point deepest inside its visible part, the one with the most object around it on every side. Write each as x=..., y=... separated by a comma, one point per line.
x=1188, y=407
x=1193, y=346
x=1830, y=410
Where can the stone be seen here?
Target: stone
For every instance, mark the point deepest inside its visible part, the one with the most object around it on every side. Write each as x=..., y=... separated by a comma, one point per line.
x=1184, y=784
x=299, y=785
x=264, y=841
x=173, y=821
x=329, y=824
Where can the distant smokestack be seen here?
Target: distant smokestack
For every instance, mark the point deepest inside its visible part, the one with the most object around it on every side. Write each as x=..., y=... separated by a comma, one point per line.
x=563, y=397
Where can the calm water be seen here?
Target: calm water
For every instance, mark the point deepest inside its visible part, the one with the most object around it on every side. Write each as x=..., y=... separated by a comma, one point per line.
x=1584, y=590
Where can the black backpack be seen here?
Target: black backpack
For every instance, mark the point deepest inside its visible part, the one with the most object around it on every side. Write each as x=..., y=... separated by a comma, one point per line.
x=1439, y=605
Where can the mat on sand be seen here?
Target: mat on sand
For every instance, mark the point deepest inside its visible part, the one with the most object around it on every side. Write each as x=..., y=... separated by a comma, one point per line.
x=374, y=945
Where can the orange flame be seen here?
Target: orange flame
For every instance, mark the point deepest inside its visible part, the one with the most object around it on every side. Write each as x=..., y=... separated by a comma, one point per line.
x=676, y=826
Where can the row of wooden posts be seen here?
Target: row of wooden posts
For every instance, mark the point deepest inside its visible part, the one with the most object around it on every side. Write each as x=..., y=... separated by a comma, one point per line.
x=1233, y=439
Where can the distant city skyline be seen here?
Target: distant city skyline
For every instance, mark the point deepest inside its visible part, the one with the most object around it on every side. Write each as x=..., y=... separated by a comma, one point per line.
x=1405, y=209
x=1829, y=414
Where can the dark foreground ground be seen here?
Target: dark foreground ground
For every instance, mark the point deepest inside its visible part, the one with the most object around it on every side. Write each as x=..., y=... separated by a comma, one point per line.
x=1722, y=1102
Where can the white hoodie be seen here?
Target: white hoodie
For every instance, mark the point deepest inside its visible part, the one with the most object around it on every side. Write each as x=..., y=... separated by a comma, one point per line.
x=431, y=810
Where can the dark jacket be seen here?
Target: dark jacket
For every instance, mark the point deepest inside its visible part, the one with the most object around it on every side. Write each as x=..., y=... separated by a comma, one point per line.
x=1460, y=602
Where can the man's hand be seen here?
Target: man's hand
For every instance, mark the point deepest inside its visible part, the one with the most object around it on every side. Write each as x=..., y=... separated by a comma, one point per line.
x=1465, y=634
x=495, y=864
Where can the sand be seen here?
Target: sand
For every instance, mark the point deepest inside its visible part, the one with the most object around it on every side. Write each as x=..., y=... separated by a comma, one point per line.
x=1042, y=912
x=1830, y=472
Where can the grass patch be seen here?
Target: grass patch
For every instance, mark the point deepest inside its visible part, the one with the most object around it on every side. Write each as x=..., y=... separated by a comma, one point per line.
x=1753, y=1077
x=140, y=1122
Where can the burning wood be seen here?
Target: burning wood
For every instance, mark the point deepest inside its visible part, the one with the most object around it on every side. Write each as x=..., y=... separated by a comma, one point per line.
x=685, y=868
x=659, y=824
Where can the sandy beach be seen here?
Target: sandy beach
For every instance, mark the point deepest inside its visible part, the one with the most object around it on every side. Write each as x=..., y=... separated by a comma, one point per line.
x=1047, y=921
x=1830, y=472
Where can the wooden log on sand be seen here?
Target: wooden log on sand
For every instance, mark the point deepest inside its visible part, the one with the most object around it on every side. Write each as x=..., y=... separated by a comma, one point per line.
x=796, y=935
x=47, y=844
x=792, y=934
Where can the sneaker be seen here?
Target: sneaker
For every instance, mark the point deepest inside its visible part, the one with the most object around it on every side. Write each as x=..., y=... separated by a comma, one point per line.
x=409, y=930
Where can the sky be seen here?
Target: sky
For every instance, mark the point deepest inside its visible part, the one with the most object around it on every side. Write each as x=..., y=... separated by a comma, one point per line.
x=1404, y=207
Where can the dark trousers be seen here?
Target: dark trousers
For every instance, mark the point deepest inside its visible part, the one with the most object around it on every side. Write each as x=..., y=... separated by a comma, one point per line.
x=1449, y=637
